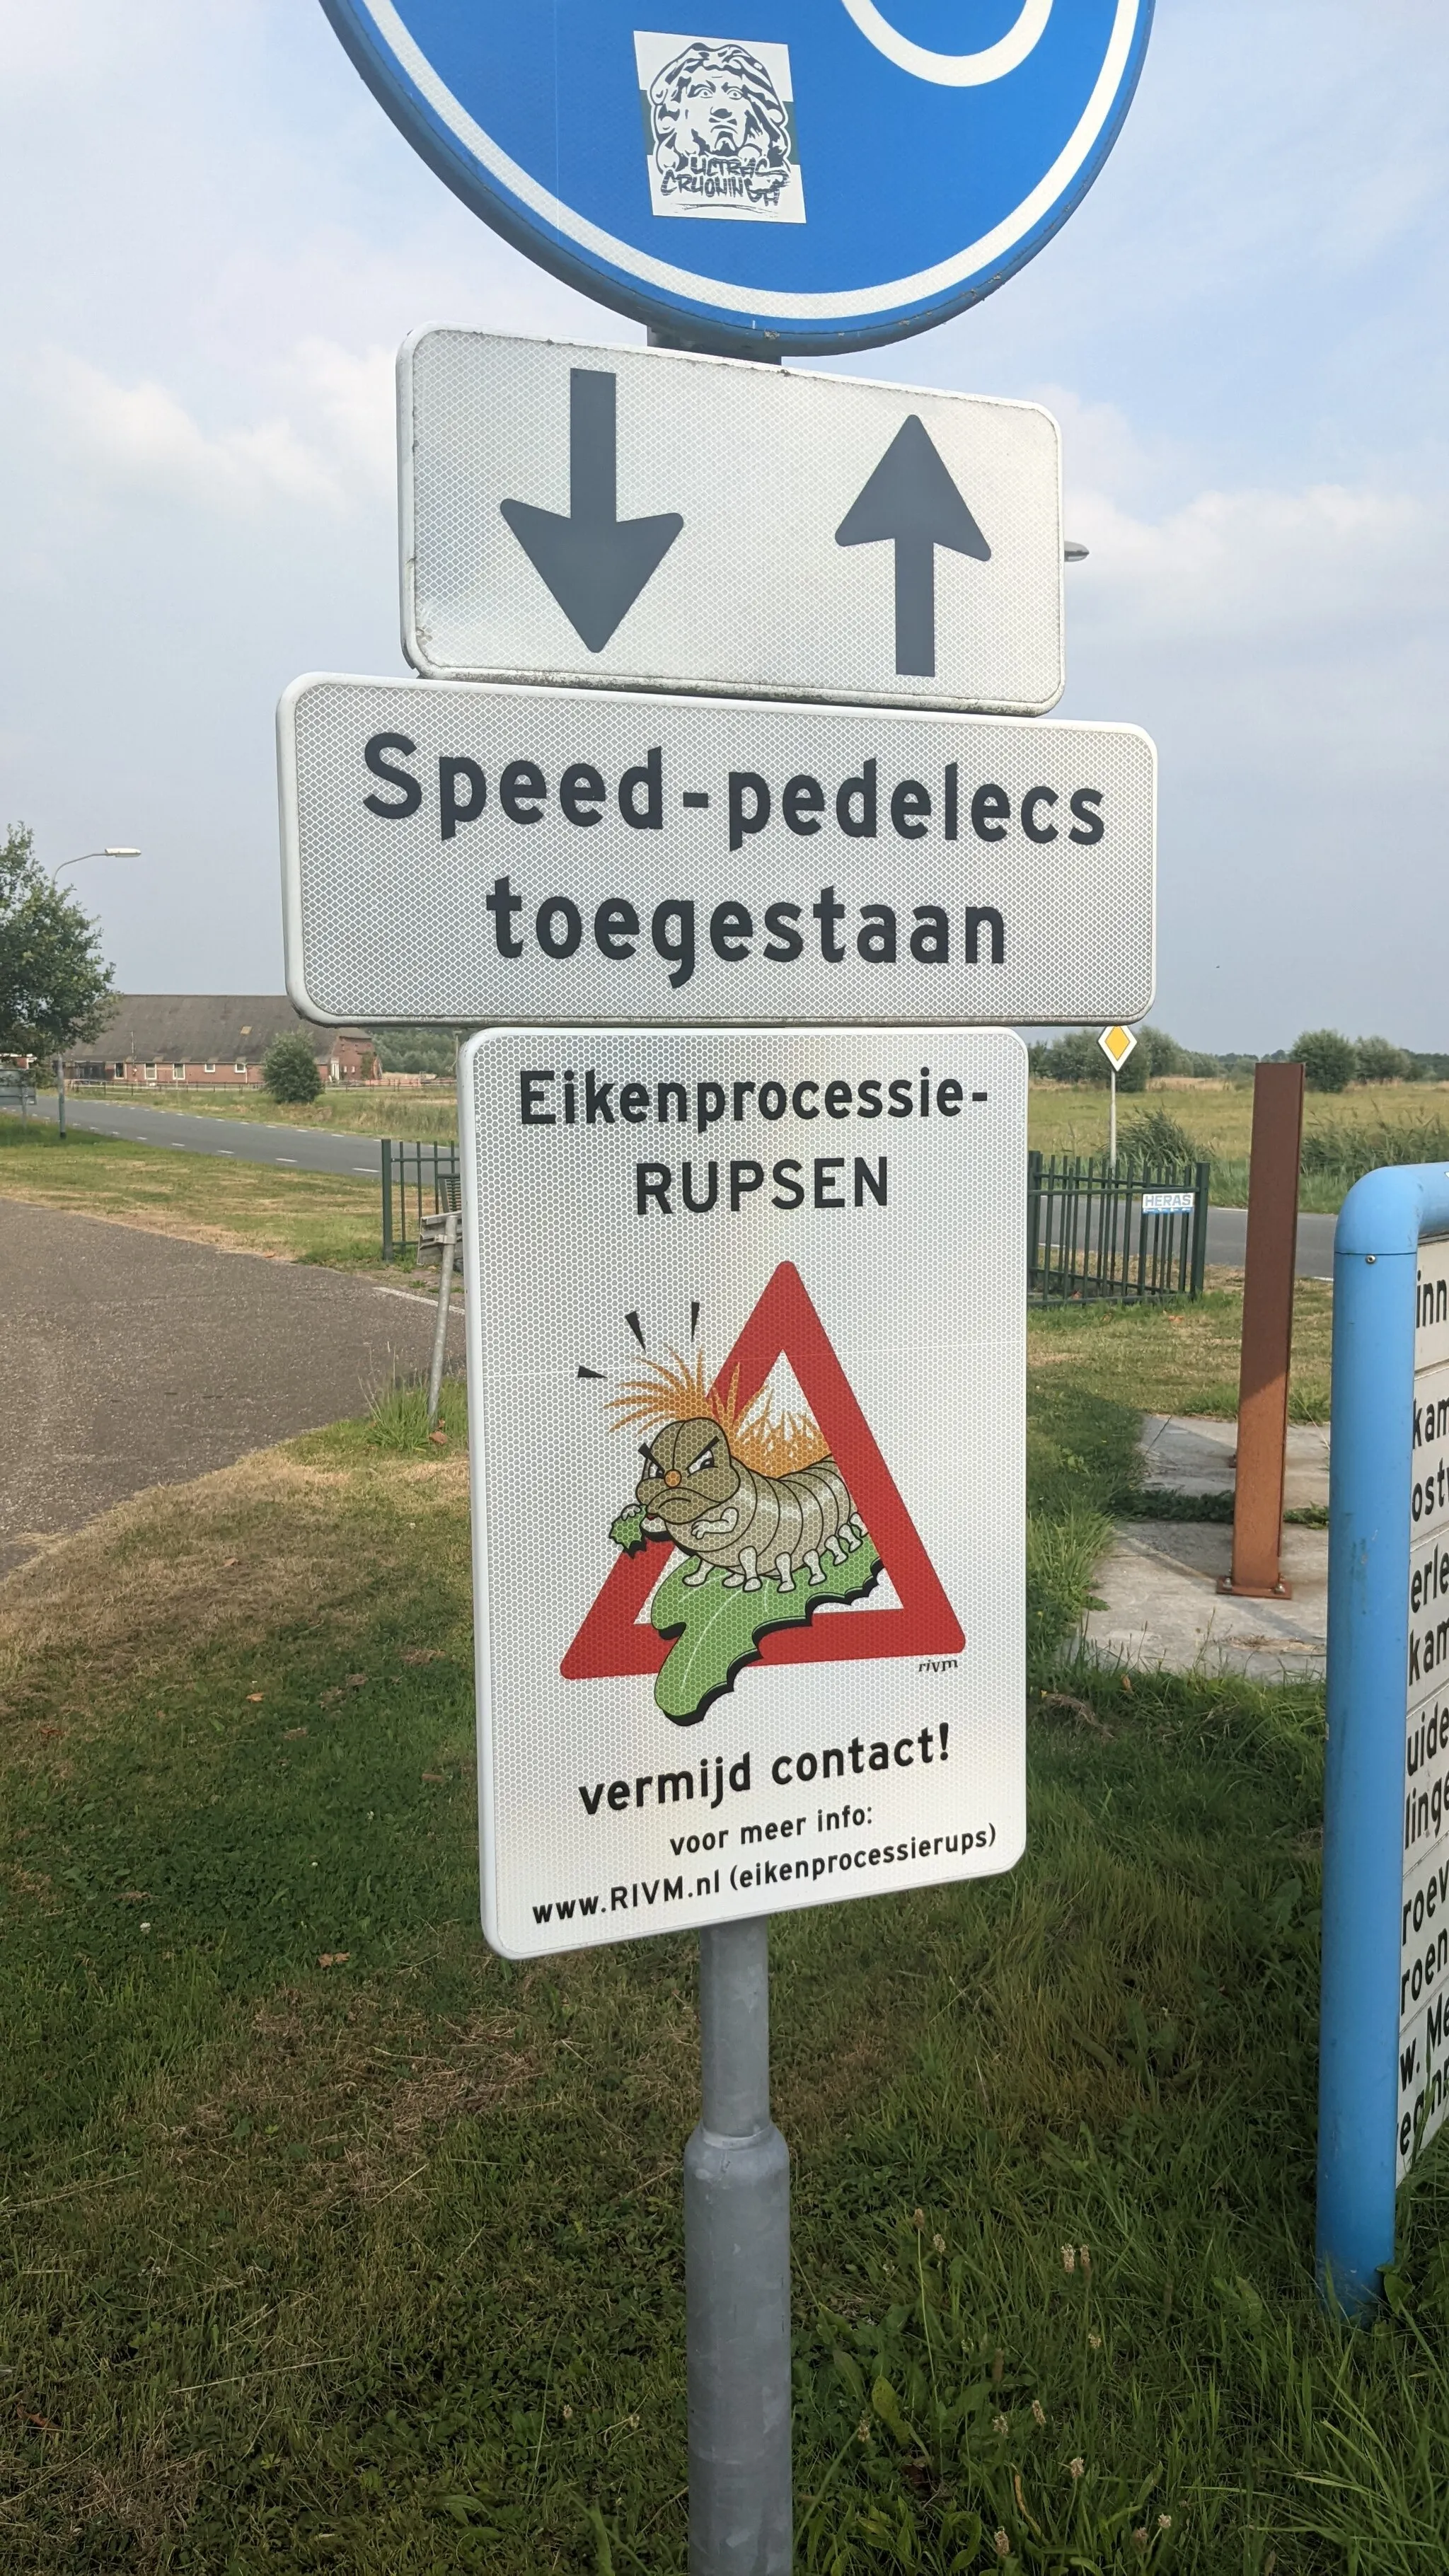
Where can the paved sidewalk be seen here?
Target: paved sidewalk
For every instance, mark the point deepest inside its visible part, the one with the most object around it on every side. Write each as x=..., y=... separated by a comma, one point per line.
x=133, y=1359
x=1159, y=1583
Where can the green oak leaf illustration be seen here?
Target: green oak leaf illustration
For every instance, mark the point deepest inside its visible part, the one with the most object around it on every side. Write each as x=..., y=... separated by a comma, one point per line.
x=717, y=1629
x=628, y=1531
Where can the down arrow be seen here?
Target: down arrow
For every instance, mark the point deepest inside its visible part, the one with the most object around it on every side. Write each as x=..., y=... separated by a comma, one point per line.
x=910, y=502
x=594, y=562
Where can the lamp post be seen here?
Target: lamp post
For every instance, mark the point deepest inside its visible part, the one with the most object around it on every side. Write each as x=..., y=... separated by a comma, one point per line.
x=112, y=850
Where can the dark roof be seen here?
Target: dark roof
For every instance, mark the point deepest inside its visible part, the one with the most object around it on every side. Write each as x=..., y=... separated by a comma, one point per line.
x=201, y=1028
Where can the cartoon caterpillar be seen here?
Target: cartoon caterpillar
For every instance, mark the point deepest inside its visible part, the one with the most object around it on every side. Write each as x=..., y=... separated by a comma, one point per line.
x=697, y=1492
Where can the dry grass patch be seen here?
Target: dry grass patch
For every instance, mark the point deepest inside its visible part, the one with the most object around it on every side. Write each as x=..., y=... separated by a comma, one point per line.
x=365, y=2089
x=228, y=1206
x=1071, y=1118
x=281, y=1541
x=1182, y=1358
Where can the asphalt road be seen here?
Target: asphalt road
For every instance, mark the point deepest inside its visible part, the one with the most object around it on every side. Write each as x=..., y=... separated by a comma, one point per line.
x=1228, y=1237
x=304, y=1149
x=240, y=1140
x=134, y=1359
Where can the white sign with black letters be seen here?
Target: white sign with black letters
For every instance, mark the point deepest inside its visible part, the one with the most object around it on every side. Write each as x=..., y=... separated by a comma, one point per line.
x=464, y=853
x=1424, y=1912
x=639, y=518
x=746, y=1375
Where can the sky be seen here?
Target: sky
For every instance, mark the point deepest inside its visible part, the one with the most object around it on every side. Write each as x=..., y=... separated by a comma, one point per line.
x=216, y=240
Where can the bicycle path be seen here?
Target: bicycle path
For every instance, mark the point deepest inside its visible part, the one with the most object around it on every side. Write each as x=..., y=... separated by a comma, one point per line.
x=134, y=1359
x=237, y=1140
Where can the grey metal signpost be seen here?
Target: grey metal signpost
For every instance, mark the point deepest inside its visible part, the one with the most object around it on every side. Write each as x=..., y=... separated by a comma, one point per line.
x=737, y=2272
x=439, y=1234
x=680, y=1232
x=618, y=520
x=618, y=876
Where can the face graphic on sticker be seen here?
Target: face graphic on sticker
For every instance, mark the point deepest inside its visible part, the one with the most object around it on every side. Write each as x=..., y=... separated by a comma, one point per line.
x=714, y=113
x=720, y=127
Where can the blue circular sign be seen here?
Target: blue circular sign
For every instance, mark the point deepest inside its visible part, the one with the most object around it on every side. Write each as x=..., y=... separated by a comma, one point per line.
x=809, y=175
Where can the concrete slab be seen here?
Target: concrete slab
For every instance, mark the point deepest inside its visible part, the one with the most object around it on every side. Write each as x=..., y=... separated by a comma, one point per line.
x=1192, y=1455
x=1163, y=1611
x=1161, y=1607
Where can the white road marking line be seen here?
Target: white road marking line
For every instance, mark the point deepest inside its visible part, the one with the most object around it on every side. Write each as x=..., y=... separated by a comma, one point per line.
x=289, y=1159
x=368, y=1170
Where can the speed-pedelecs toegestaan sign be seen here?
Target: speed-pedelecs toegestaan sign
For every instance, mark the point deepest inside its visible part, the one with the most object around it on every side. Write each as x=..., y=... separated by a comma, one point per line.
x=746, y=1388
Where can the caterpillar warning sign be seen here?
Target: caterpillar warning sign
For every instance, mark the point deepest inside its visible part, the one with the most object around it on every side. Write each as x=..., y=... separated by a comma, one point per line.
x=841, y=1499
x=746, y=1362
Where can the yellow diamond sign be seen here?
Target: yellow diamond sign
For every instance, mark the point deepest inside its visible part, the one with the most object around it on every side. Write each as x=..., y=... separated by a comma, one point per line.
x=1116, y=1046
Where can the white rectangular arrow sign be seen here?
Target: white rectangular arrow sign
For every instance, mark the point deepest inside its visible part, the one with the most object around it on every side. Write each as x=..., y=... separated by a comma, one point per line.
x=460, y=852
x=637, y=518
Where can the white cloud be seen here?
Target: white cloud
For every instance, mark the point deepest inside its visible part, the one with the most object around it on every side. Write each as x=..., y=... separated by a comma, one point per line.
x=349, y=395
x=141, y=437
x=217, y=241
x=1262, y=570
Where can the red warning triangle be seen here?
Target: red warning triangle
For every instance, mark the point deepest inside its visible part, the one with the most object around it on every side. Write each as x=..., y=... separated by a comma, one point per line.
x=785, y=1325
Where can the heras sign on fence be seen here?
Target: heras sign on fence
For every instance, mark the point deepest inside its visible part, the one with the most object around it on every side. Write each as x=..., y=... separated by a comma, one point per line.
x=633, y=518
x=461, y=852
x=839, y=175
x=748, y=1500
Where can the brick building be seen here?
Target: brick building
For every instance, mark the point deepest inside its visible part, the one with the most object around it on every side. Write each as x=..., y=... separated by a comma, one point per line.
x=211, y=1041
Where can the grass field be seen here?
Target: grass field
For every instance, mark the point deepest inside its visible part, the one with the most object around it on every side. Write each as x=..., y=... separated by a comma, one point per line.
x=1383, y=1122
x=238, y=1207
x=335, y=2243
x=423, y=1114
x=1179, y=1358
x=1343, y=1132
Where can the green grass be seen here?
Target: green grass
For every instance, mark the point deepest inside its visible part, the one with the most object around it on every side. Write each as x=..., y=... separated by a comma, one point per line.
x=334, y=2243
x=239, y=1207
x=1179, y=1358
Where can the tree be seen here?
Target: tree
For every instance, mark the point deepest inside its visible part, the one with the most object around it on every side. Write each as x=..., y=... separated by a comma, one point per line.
x=54, y=983
x=1078, y=1057
x=1379, y=1060
x=1329, y=1059
x=289, y=1069
x=418, y=1051
x=1160, y=1053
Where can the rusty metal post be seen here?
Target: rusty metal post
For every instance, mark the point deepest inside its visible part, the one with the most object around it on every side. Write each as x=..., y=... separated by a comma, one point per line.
x=1267, y=1334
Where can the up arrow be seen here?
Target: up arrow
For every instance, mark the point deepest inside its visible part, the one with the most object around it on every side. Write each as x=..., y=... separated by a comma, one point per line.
x=911, y=503
x=594, y=562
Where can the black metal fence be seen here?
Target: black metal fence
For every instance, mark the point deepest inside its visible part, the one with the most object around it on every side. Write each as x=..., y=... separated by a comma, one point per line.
x=1092, y=1231
x=1123, y=1233
x=417, y=1181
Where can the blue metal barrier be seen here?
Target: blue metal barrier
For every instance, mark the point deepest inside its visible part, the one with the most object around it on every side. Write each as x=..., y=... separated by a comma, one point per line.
x=1386, y=1219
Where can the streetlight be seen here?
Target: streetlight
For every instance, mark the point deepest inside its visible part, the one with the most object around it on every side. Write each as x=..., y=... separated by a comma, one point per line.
x=112, y=850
